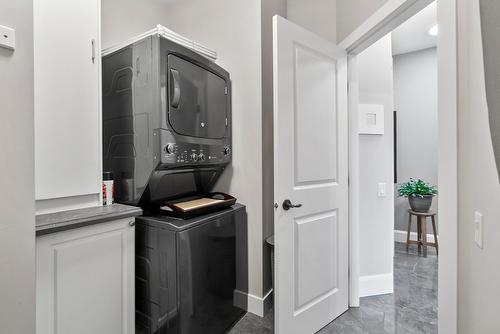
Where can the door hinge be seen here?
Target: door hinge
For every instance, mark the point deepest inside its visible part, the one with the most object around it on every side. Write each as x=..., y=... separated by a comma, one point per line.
x=225, y=90
x=226, y=121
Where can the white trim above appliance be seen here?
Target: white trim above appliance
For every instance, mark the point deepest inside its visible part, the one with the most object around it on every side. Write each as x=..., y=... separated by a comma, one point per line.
x=168, y=34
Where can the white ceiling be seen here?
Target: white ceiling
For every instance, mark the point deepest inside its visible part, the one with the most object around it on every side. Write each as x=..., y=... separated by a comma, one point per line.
x=413, y=34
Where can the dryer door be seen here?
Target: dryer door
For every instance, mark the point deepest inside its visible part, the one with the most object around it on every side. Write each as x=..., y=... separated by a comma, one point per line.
x=198, y=100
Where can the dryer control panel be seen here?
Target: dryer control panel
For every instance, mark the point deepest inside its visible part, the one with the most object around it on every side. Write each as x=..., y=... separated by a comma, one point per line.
x=178, y=152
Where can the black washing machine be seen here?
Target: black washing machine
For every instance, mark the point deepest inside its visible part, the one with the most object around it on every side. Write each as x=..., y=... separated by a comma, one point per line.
x=191, y=275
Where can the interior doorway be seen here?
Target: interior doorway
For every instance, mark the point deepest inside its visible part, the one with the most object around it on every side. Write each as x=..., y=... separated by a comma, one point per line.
x=389, y=17
x=397, y=143
x=397, y=134
x=415, y=117
x=373, y=30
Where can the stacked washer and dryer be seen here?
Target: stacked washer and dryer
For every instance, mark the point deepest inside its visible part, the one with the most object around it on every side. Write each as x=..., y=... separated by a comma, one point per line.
x=167, y=140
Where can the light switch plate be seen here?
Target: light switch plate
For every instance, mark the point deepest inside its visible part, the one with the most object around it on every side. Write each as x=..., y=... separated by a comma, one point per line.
x=478, y=229
x=7, y=38
x=382, y=190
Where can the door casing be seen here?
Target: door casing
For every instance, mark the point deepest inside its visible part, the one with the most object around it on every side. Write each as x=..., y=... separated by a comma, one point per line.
x=385, y=20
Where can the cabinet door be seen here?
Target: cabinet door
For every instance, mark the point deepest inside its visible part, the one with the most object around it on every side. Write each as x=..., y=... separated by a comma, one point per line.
x=85, y=280
x=67, y=90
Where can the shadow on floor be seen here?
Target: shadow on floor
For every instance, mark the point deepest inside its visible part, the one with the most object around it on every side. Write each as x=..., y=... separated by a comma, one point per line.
x=412, y=309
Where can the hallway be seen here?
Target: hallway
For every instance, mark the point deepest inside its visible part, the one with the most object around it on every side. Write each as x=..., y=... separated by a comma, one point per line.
x=412, y=309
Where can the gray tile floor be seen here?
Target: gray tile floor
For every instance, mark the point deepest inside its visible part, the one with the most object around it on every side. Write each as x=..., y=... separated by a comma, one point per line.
x=412, y=309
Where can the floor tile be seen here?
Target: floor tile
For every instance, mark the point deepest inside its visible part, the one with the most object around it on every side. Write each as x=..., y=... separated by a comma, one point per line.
x=412, y=309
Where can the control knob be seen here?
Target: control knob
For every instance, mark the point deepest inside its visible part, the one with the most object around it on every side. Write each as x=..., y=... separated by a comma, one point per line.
x=194, y=157
x=201, y=157
x=170, y=148
x=226, y=150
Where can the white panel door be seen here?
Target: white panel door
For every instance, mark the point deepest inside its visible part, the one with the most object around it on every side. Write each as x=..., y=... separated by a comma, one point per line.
x=310, y=170
x=85, y=280
x=67, y=98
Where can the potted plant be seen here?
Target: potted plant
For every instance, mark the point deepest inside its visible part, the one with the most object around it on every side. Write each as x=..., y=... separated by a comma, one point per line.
x=419, y=193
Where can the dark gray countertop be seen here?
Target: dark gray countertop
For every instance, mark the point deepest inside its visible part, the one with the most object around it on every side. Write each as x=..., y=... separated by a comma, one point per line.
x=66, y=220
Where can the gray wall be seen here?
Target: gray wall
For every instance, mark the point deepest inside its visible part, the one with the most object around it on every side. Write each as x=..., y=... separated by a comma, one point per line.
x=479, y=189
x=17, y=198
x=317, y=16
x=232, y=28
x=352, y=13
x=376, y=162
x=122, y=19
x=490, y=28
x=415, y=99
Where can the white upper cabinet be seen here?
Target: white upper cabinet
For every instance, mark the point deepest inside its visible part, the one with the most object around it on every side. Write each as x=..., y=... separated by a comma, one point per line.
x=67, y=98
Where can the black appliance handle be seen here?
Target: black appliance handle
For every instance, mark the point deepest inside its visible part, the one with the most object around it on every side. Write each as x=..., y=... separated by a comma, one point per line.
x=175, y=92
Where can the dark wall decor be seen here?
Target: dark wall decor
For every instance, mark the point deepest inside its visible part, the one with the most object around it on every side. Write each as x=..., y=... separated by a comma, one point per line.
x=395, y=132
x=490, y=29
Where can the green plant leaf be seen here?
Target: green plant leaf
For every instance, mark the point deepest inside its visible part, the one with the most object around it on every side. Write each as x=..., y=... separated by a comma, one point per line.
x=416, y=188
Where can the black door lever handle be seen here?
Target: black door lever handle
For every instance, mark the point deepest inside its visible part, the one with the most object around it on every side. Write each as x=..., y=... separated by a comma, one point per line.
x=287, y=205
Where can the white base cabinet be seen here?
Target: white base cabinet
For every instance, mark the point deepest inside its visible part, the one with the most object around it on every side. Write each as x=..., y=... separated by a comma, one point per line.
x=85, y=280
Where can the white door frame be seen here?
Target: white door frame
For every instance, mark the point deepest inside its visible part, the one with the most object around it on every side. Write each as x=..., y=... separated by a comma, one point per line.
x=386, y=19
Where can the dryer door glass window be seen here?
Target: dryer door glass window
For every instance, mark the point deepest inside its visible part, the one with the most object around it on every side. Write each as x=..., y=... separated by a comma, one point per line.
x=197, y=100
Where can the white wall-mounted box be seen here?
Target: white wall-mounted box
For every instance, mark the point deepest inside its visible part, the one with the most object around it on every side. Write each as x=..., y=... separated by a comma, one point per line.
x=371, y=119
x=7, y=38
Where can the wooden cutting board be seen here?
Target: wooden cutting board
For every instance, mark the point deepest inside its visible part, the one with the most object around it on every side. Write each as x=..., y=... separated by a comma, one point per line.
x=197, y=203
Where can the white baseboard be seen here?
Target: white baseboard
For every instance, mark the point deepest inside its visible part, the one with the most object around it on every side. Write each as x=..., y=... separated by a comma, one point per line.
x=374, y=285
x=400, y=236
x=253, y=304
